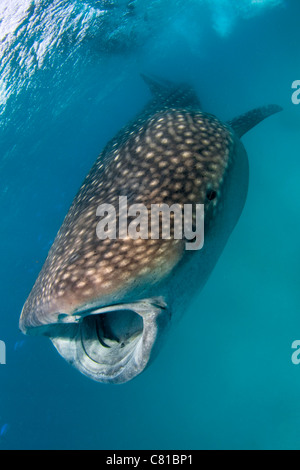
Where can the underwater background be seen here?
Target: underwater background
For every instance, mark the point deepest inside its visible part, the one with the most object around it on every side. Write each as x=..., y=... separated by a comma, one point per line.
x=69, y=80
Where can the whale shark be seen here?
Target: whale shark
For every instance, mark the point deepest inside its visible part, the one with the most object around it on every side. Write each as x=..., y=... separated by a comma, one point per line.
x=107, y=304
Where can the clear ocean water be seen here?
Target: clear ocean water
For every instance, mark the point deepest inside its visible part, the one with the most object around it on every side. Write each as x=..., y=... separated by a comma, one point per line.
x=69, y=80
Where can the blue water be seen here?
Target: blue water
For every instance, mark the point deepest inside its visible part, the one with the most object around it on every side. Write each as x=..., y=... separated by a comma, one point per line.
x=69, y=79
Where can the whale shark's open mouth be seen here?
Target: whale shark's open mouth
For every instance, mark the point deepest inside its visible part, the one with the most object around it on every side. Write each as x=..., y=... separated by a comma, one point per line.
x=111, y=344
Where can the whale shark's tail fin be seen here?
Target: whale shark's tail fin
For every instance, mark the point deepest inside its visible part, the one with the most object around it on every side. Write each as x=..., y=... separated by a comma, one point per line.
x=247, y=121
x=171, y=94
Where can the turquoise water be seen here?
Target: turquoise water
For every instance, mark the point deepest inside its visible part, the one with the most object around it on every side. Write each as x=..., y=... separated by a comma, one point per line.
x=69, y=80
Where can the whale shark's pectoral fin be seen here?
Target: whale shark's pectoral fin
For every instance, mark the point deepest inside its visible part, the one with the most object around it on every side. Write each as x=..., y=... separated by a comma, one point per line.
x=246, y=122
x=171, y=94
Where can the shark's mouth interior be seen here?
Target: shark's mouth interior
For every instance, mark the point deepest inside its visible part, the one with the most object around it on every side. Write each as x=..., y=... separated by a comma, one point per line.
x=111, y=344
x=118, y=329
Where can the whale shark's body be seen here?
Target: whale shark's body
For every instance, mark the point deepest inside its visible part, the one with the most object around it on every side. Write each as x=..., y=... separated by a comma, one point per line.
x=105, y=303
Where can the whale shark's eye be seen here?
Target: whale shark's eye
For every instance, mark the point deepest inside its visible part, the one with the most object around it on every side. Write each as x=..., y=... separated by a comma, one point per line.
x=211, y=194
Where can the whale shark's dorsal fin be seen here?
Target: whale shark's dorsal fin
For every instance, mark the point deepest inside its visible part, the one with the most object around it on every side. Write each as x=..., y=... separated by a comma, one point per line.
x=247, y=121
x=158, y=86
x=171, y=94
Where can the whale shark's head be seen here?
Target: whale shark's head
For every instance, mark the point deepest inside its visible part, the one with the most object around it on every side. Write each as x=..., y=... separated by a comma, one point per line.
x=105, y=303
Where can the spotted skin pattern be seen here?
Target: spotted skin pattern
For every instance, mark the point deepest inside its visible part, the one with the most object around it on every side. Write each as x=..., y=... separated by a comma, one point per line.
x=172, y=156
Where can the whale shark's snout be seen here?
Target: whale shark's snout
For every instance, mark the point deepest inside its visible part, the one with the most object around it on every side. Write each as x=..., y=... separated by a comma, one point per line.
x=105, y=303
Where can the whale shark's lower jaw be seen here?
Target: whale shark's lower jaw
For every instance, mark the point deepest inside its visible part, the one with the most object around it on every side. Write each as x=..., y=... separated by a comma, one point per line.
x=112, y=344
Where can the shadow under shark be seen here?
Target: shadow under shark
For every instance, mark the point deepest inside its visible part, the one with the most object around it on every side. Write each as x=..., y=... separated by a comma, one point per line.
x=105, y=304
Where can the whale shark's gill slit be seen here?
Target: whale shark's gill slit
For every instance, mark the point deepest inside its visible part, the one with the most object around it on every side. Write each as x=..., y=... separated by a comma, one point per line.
x=107, y=332
x=99, y=323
